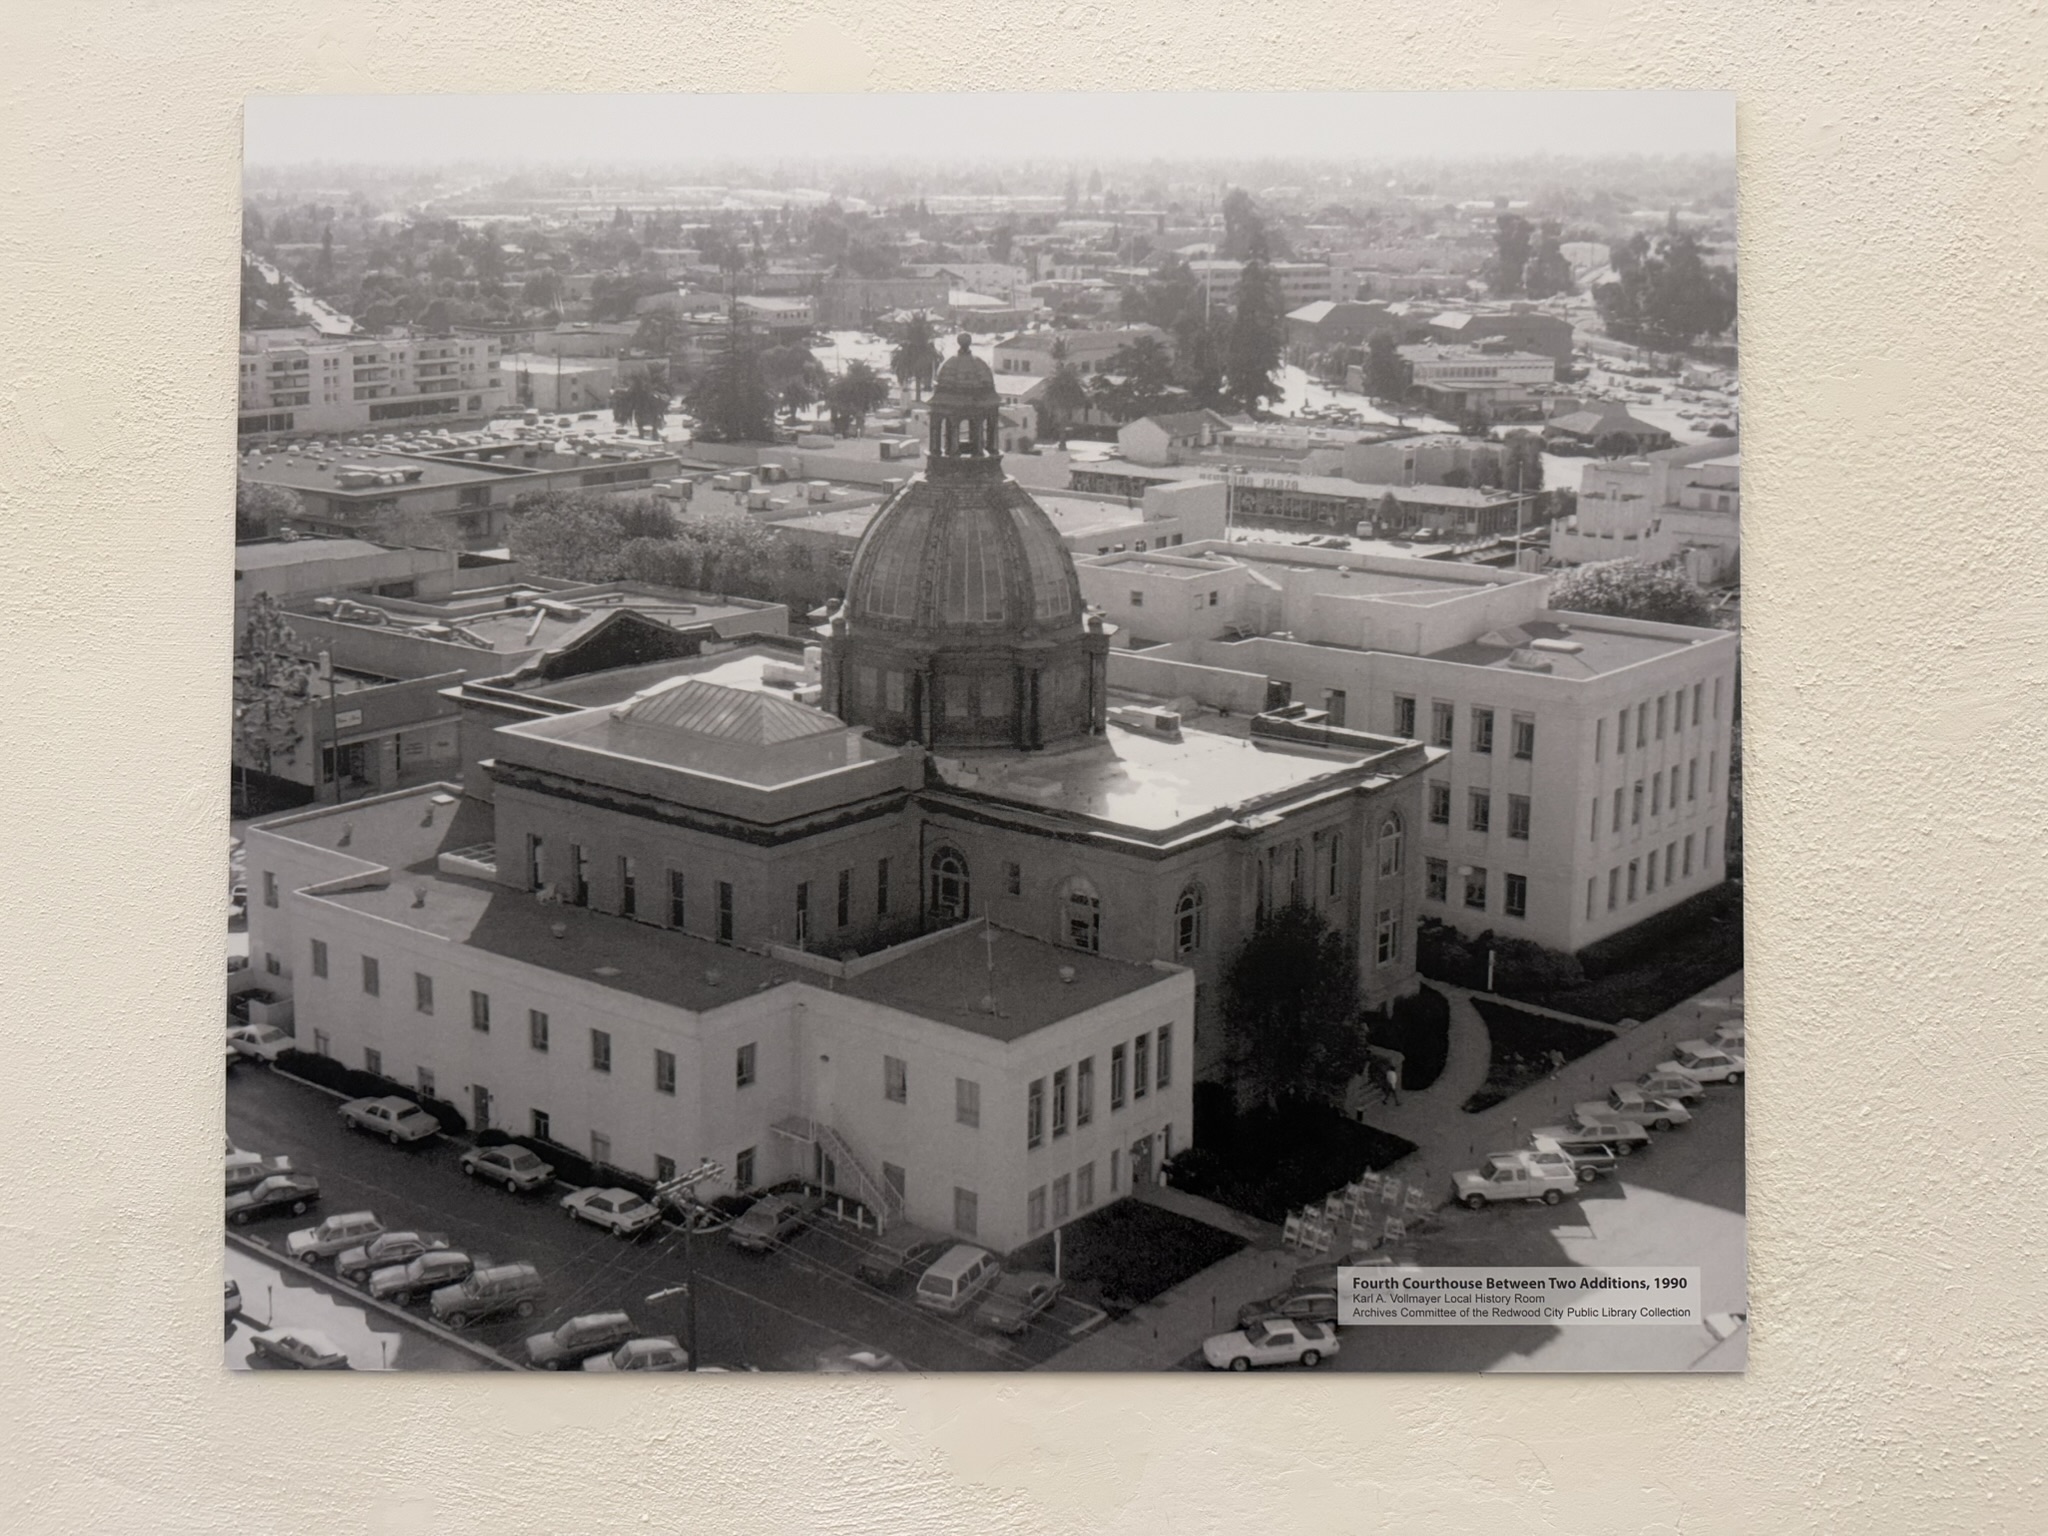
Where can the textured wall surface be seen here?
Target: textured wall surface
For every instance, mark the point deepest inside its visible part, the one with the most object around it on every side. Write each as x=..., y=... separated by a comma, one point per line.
x=1893, y=165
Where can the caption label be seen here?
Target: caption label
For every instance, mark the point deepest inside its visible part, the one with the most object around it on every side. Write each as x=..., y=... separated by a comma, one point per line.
x=1510, y=1296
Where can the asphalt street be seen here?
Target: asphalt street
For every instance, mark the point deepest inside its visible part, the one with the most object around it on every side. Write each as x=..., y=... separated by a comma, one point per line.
x=773, y=1311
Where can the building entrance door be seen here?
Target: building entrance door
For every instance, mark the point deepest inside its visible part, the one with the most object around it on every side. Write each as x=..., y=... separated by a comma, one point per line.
x=479, y=1107
x=1141, y=1164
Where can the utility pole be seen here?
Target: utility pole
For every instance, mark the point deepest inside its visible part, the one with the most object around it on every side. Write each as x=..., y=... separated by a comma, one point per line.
x=679, y=1195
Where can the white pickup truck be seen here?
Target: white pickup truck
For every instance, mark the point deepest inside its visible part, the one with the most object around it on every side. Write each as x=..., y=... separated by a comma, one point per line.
x=1515, y=1176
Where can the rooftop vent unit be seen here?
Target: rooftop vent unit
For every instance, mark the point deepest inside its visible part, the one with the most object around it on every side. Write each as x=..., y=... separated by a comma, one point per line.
x=1147, y=719
x=1567, y=647
x=1526, y=660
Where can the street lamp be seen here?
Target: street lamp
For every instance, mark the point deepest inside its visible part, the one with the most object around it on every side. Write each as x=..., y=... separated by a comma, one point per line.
x=677, y=1194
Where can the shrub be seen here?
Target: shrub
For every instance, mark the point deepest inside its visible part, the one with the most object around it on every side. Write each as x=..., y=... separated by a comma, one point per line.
x=1620, y=950
x=1522, y=967
x=329, y=1073
x=1444, y=954
x=1420, y=1029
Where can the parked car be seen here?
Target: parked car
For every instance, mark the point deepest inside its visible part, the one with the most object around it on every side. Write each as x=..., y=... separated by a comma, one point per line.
x=1514, y=1176
x=1708, y=1063
x=1668, y=1085
x=342, y=1231
x=384, y=1250
x=259, y=1042
x=1629, y=1103
x=402, y=1284
x=898, y=1254
x=1731, y=1038
x=660, y=1352
x=1271, y=1341
x=594, y=1333
x=773, y=1220
x=1015, y=1300
x=245, y=1170
x=232, y=1296
x=851, y=1359
x=1624, y=1135
x=1314, y=1301
x=292, y=1192
x=961, y=1274
x=490, y=1292
x=512, y=1166
x=619, y=1211
x=391, y=1117
x=298, y=1348
x=1589, y=1159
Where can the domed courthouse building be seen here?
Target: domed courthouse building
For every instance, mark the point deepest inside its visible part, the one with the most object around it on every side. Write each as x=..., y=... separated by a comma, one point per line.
x=948, y=941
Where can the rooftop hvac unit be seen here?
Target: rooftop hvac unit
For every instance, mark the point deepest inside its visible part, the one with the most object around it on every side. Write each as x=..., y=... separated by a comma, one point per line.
x=1145, y=718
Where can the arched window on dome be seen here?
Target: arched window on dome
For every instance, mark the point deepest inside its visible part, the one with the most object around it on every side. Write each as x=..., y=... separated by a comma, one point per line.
x=1390, y=845
x=1081, y=910
x=949, y=884
x=1187, y=921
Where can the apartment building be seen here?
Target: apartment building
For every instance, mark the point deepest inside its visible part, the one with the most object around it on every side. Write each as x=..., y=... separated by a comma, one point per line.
x=297, y=381
x=1584, y=781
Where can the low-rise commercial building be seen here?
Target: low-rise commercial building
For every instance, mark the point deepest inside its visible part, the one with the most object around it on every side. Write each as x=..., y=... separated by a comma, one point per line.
x=1682, y=506
x=1461, y=380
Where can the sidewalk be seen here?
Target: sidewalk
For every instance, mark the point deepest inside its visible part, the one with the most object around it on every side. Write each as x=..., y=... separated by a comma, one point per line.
x=1166, y=1330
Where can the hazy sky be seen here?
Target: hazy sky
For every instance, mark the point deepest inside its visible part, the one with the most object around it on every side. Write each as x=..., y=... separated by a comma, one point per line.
x=595, y=129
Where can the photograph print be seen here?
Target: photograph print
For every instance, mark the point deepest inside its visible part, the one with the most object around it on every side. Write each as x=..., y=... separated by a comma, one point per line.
x=987, y=732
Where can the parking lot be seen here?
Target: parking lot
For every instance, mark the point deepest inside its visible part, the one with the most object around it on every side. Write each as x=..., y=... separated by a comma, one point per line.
x=773, y=1311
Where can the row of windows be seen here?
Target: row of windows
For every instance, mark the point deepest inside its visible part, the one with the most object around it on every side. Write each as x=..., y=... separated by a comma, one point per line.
x=1443, y=726
x=1663, y=786
x=1473, y=881
x=1080, y=905
x=1653, y=717
x=1076, y=1191
x=1478, y=810
x=1076, y=1109
x=1641, y=874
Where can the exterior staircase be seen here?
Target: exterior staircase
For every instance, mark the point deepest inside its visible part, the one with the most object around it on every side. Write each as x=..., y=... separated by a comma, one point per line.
x=850, y=1171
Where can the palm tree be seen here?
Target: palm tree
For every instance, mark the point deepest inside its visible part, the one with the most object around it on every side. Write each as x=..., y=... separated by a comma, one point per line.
x=916, y=357
x=643, y=399
x=853, y=394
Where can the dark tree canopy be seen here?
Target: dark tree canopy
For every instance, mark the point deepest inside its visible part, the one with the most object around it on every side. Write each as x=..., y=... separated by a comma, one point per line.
x=1664, y=294
x=1290, y=1008
x=1632, y=589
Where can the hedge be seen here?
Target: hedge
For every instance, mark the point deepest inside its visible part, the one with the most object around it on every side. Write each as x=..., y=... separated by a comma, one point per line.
x=1521, y=968
x=357, y=1084
x=1420, y=1029
x=1618, y=951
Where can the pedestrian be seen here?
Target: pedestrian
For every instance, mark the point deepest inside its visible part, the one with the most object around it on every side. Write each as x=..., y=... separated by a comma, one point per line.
x=1393, y=1084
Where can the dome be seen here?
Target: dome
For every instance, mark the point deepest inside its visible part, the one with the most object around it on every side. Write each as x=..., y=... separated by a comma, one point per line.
x=964, y=381
x=939, y=561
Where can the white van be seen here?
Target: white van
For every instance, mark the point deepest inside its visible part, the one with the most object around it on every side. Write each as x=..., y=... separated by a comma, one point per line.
x=962, y=1273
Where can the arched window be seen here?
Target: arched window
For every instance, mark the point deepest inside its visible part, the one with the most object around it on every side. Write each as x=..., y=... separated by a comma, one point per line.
x=1082, y=911
x=1187, y=921
x=1390, y=845
x=949, y=884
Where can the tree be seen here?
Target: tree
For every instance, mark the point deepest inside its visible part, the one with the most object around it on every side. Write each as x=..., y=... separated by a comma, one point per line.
x=581, y=536
x=643, y=399
x=794, y=376
x=712, y=551
x=1290, y=1008
x=1521, y=469
x=1386, y=376
x=411, y=528
x=731, y=401
x=272, y=682
x=853, y=394
x=1065, y=397
x=1512, y=236
x=916, y=357
x=1252, y=357
x=1138, y=378
x=323, y=271
x=1548, y=272
x=1664, y=294
x=262, y=510
x=1632, y=589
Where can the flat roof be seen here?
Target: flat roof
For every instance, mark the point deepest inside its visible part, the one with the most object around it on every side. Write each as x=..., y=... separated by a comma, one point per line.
x=1149, y=782
x=1075, y=515
x=1600, y=650
x=946, y=979
x=742, y=668
x=320, y=472
x=272, y=553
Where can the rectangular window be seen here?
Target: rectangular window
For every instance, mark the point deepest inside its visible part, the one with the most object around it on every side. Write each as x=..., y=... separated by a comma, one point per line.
x=845, y=907
x=1518, y=817
x=320, y=957
x=1141, y=1066
x=629, y=887
x=1386, y=937
x=966, y=1211
x=1404, y=717
x=1657, y=793
x=1333, y=705
x=1692, y=779
x=743, y=1169
x=1661, y=702
x=269, y=889
x=600, y=1050
x=678, y=907
x=600, y=1148
x=480, y=1012
x=803, y=911
x=1634, y=877
x=1084, y=1186
x=1062, y=1196
x=1482, y=810
x=1710, y=774
x=1482, y=730
x=1650, y=874
x=1013, y=879
x=1137, y=599
x=271, y=964
x=1687, y=866
x=1613, y=887
x=1475, y=889
x=1525, y=736
x=1034, y=1205
x=664, y=1169
x=895, y=1080
x=579, y=875
x=373, y=1062
x=422, y=992
x=893, y=1179
x=536, y=1029
x=1707, y=851
x=1436, y=880
x=1115, y=1162
x=1116, y=1077
x=426, y=1082
x=542, y=1125
x=1621, y=730
x=1599, y=737
x=371, y=982
x=966, y=1102
x=536, y=867
x=1059, y=1102
x=1635, y=804
x=1697, y=689
x=1165, y=1077
x=1084, y=1091
x=1617, y=810
x=1514, y=895
x=1442, y=721
x=1592, y=886
x=1670, y=860
x=743, y=1066
x=881, y=887
x=1593, y=822
x=664, y=1072
x=321, y=1046
x=1717, y=698
x=1440, y=804
x=1642, y=725
x=725, y=912
x=1034, y=1113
